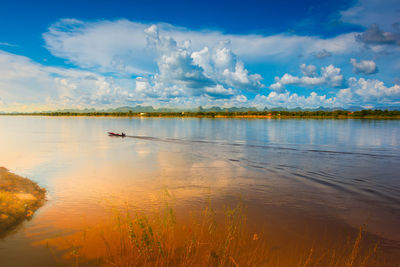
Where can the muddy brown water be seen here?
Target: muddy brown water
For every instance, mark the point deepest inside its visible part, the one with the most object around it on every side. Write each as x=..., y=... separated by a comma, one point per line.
x=304, y=182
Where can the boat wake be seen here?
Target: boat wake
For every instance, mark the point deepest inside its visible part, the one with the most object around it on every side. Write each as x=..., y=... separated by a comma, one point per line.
x=221, y=143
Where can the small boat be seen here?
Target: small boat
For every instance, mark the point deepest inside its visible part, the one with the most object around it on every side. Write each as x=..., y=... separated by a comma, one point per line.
x=116, y=134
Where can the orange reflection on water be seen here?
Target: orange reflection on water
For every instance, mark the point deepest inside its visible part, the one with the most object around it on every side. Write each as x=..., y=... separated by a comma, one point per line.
x=87, y=174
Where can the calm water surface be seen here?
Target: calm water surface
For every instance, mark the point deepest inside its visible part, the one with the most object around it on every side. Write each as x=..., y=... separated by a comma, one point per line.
x=306, y=179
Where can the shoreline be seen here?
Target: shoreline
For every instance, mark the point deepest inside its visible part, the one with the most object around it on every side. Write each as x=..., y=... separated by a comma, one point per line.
x=19, y=199
x=213, y=116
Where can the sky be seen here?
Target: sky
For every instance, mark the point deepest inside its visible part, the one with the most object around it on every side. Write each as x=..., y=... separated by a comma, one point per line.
x=184, y=54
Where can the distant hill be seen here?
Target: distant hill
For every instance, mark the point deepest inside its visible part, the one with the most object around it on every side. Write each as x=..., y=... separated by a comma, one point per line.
x=132, y=109
x=305, y=109
x=150, y=109
x=387, y=107
x=231, y=109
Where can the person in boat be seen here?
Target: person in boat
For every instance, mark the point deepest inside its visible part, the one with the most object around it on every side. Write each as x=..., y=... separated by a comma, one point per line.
x=123, y=134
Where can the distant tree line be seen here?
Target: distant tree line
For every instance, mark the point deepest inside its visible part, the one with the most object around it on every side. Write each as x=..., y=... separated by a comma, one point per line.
x=368, y=113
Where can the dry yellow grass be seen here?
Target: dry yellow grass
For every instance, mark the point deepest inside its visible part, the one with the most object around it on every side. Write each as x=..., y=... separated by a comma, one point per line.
x=19, y=199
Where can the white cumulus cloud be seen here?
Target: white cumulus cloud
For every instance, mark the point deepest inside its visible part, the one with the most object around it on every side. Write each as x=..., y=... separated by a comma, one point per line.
x=330, y=76
x=364, y=66
x=308, y=70
x=293, y=100
x=372, y=89
x=208, y=70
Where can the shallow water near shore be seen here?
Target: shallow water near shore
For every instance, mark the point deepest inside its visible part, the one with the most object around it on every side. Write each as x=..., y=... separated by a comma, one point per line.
x=304, y=182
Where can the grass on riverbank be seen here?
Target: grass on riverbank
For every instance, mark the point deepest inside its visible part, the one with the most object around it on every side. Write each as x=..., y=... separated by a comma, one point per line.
x=159, y=239
x=19, y=199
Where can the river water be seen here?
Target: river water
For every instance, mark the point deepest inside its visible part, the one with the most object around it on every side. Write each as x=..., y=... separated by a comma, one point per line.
x=306, y=179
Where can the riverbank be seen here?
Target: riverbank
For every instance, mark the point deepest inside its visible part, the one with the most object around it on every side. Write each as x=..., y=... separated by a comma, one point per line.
x=19, y=199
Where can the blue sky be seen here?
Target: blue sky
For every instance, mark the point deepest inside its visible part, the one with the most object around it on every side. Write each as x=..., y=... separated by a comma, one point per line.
x=78, y=54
